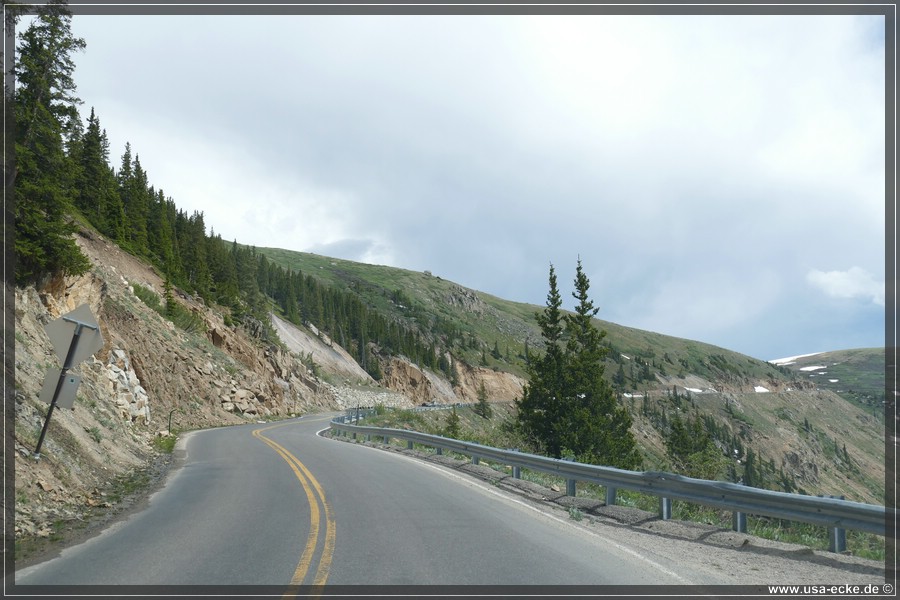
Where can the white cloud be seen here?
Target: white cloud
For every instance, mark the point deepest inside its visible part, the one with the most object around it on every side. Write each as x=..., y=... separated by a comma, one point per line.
x=852, y=283
x=698, y=164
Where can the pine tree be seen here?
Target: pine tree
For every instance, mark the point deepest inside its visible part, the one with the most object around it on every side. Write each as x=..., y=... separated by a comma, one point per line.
x=692, y=449
x=483, y=408
x=539, y=408
x=97, y=196
x=191, y=241
x=679, y=443
x=599, y=430
x=750, y=468
x=169, y=297
x=452, y=430
x=45, y=103
x=136, y=200
x=223, y=271
x=567, y=407
x=91, y=165
x=619, y=377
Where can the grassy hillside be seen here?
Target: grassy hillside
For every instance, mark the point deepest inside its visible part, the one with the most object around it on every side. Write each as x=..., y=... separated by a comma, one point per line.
x=481, y=324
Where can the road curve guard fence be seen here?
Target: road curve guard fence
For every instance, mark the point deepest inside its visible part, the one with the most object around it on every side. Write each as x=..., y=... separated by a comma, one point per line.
x=835, y=514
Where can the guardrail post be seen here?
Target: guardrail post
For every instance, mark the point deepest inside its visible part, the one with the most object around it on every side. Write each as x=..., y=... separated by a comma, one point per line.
x=665, y=508
x=475, y=460
x=570, y=483
x=739, y=521
x=837, y=536
x=354, y=435
x=610, y=495
x=738, y=518
x=368, y=437
x=409, y=444
x=837, y=539
x=387, y=439
x=439, y=450
x=517, y=471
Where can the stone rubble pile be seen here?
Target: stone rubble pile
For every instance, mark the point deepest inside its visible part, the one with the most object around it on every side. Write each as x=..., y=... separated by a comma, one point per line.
x=121, y=384
x=350, y=398
x=241, y=400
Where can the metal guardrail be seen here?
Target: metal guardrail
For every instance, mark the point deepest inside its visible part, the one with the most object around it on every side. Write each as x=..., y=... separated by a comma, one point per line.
x=835, y=514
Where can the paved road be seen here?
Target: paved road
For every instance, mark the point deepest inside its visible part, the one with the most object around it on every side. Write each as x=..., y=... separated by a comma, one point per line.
x=276, y=504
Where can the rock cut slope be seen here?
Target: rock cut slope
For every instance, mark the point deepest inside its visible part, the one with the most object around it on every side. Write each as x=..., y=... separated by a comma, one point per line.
x=147, y=373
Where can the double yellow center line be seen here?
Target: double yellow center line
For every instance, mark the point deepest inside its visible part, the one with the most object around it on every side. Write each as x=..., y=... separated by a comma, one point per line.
x=314, y=496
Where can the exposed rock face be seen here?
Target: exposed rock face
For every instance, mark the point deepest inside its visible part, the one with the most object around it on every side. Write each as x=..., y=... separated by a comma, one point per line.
x=803, y=468
x=466, y=299
x=321, y=350
x=499, y=386
x=147, y=372
x=423, y=386
x=403, y=376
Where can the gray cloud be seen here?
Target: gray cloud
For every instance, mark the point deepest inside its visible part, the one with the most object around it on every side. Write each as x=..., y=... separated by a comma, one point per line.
x=701, y=167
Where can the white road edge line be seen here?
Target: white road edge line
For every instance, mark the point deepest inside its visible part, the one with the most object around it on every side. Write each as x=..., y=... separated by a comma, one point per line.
x=507, y=497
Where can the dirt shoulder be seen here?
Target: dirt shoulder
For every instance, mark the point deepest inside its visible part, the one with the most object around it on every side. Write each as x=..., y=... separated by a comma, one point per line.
x=127, y=497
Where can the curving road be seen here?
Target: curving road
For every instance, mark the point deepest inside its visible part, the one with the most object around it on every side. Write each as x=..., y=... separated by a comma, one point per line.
x=278, y=505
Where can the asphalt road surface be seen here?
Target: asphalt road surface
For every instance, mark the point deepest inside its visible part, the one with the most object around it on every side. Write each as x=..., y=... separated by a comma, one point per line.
x=277, y=505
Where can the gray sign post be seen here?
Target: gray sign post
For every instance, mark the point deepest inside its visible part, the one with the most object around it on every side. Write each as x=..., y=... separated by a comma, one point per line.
x=66, y=332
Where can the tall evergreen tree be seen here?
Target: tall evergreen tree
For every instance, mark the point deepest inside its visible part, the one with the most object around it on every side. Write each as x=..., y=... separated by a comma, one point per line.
x=567, y=404
x=91, y=163
x=160, y=232
x=539, y=409
x=138, y=194
x=599, y=429
x=452, y=429
x=45, y=103
x=483, y=408
x=223, y=271
x=96, y=194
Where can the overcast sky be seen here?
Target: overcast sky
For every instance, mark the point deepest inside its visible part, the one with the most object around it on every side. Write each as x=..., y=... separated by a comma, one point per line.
x=721, y=178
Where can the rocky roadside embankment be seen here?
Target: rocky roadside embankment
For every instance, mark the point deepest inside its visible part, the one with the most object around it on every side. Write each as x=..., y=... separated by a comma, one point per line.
x=147, y=374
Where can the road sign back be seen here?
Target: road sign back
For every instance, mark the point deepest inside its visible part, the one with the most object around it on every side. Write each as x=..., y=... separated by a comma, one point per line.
x=67, y=392
x=62, y=330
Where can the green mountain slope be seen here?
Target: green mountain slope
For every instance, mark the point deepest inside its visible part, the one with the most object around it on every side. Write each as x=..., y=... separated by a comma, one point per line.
x=792, y=429
x=473, y=324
